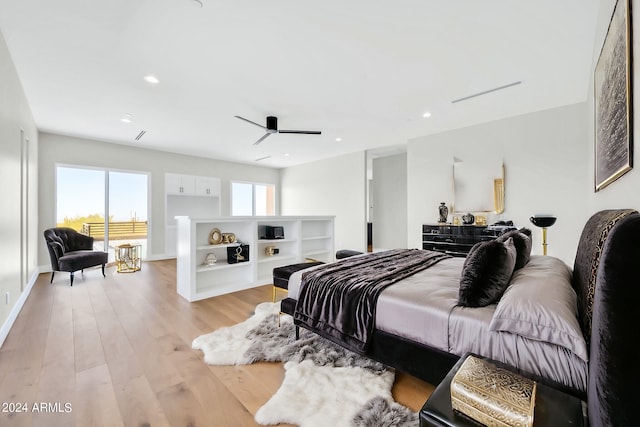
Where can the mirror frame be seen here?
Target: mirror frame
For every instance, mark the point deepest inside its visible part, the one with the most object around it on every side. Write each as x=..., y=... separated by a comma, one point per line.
x=498, y=191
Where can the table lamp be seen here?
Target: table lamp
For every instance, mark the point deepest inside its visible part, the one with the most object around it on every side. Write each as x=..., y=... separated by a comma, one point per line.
x=544, y=221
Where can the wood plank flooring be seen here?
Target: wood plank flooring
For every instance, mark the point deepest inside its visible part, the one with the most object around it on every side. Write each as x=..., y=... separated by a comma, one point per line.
x=116, y=351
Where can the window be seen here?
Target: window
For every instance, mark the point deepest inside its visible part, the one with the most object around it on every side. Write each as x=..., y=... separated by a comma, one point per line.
x=86, y=196
x=249, y=199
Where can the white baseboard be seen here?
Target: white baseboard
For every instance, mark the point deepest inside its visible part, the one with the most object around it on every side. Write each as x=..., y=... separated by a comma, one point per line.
x=159, y=257
x=13, y=315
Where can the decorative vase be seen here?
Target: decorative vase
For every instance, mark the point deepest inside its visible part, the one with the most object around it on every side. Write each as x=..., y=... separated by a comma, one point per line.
x=468, y=218
x=444, y=212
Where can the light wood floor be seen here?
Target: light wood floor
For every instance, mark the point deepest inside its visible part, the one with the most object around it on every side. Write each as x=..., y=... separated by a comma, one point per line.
x=117, y=352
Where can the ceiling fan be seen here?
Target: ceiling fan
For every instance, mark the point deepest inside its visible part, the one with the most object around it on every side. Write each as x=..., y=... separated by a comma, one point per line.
x=272, y=127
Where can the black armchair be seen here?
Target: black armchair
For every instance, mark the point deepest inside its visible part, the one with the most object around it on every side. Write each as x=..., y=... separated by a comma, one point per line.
x=72, y=251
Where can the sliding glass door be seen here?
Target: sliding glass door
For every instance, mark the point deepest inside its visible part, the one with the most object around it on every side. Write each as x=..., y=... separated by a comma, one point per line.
x=110, y=206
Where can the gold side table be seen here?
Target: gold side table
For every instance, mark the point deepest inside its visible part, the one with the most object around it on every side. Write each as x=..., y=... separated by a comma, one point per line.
x=128, y=257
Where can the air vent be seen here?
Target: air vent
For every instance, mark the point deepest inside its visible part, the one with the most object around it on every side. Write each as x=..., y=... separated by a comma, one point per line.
x=140, y=135
x=486, y=92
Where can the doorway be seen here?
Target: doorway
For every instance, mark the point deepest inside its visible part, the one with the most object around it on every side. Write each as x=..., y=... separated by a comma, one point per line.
x=110, y=206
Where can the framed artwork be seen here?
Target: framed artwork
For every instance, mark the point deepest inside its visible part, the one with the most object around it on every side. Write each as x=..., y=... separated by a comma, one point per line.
x=613, y=93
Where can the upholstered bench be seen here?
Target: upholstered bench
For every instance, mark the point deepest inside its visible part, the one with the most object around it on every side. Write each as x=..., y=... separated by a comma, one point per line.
x=282, y=274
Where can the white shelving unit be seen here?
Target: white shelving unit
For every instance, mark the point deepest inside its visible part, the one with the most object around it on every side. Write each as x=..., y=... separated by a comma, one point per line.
x=304, y=238
x=188, y=195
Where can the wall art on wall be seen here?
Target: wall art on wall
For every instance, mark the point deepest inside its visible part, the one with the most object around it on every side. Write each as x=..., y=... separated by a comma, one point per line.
x=613, y=93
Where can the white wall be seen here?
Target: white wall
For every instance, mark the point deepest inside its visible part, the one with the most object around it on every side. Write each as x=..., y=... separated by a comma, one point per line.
x=546, y=170
x=19, y=178
x=389, y=200
x=622, y=193
x=334, y=186
x=57, y=149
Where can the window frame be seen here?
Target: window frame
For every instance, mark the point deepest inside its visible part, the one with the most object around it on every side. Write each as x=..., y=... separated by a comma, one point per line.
x=253, y=196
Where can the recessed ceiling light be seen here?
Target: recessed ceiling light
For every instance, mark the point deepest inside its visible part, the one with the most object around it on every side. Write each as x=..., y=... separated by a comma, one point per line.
x=287, y=154
x=152, y=79
x=127, y=118
x=426, y=115
x=196, y=3
x=338, y=139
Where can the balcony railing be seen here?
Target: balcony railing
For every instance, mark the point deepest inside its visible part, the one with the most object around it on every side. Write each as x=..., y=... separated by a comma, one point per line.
x=117, y=230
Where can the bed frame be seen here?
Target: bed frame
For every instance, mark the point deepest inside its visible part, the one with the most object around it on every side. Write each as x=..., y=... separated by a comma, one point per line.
x=606, y=277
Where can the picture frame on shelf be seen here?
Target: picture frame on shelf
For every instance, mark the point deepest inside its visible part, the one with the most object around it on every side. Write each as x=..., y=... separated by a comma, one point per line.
x=613, y=101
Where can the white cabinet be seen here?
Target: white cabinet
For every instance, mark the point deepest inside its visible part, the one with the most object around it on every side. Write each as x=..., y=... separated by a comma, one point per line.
x=188, y=195
x=190, y=185
x=304, y=238
x=180, y=184
x=207, y=187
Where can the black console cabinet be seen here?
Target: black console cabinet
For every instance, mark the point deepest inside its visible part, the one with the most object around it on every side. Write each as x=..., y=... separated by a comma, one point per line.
x=457, y=240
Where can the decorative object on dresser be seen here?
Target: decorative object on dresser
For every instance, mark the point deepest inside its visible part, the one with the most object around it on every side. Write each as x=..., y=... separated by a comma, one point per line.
x=543, y=221
x=443, y=211
x=457, y=240
x=468, y=218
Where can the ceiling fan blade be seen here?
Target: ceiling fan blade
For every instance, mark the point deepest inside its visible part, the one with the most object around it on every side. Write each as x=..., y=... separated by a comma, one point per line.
x=262, y=139
x=249, y=121
x=307, y=132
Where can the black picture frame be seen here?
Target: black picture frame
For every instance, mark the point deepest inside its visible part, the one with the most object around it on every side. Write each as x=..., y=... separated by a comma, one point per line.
x=613, y=100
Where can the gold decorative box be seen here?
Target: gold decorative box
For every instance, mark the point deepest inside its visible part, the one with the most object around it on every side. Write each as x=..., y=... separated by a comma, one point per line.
x=492, y=395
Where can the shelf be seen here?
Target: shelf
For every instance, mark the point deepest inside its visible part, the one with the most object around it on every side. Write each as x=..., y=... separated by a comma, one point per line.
x=223, y=265
x=222, y=245
x=277, y=258
x=276, y=240
x=315, y=238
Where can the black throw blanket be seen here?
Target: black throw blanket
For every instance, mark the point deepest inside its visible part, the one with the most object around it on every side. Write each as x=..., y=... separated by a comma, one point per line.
x=338, y=300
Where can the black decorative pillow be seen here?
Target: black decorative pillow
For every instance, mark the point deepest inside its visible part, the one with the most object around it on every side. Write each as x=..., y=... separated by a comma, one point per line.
x=486, y=273
x=522, y=242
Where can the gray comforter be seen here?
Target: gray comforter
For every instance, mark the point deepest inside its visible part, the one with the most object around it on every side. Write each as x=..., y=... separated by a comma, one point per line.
x=338, y=300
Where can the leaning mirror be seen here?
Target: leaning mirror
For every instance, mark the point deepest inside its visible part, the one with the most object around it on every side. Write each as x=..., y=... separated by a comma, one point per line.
x=478, y=187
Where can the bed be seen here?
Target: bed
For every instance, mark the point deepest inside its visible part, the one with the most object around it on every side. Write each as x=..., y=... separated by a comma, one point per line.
x=570, y=328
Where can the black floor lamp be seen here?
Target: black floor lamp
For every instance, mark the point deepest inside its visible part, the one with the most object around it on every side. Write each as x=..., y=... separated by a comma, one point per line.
x=543, y=221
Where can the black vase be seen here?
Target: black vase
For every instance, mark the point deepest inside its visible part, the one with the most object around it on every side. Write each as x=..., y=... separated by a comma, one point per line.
x=443, y=210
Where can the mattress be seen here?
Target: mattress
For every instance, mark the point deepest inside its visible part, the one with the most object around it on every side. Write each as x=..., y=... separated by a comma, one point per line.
x=423, y=308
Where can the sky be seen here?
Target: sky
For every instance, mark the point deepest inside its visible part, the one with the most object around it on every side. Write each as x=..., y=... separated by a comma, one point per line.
x=80, y=192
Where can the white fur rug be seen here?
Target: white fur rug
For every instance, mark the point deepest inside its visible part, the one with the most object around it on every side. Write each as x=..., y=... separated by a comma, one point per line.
x=324, y=385
x=227, y=346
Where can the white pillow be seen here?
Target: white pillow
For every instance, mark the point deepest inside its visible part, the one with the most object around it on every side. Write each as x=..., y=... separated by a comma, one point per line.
x=541, y=305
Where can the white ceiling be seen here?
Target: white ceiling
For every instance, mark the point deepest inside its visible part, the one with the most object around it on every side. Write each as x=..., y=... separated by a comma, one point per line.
x=361, y=70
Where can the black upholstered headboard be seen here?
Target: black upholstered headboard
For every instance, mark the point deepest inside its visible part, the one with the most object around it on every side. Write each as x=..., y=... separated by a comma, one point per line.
x=606, y=277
